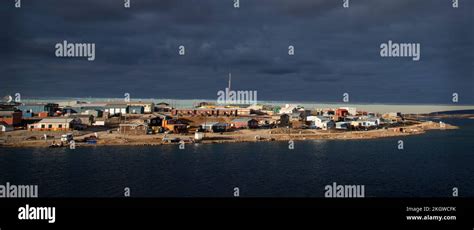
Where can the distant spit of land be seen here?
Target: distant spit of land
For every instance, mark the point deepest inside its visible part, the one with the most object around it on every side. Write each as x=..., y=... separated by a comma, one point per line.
x=373, y=107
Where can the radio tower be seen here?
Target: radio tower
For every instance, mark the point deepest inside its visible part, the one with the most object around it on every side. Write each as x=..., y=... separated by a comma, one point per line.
x=230, y=80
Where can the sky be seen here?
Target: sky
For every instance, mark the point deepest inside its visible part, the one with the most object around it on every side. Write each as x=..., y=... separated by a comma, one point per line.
x=337, y=50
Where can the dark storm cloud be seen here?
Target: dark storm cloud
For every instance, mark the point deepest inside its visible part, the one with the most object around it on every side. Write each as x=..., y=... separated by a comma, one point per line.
x=336, y=49
x=279, y=70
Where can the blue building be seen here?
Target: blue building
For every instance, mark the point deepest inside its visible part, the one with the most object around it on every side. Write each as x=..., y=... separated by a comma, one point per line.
x=36, y=108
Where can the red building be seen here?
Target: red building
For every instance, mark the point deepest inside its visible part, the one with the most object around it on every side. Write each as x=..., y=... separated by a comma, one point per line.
x=205, y=112
x=244, y=123
x=341, y=112
x=11, y=117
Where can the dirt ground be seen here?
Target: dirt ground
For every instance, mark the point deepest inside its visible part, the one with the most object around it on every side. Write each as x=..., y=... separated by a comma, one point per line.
x=23, y=138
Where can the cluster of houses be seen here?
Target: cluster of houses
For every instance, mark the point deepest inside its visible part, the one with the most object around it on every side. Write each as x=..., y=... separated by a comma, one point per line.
x=345, y=118
x=142, y=118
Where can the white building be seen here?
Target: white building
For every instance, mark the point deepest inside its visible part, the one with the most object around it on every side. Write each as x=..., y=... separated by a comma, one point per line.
x=351, y=110
x=367, y=123
x=114, y=109
x=56, y=124
x=320, y=122
x=99, y=122
x=148, y=107
x=288, y=109
x=344, y=125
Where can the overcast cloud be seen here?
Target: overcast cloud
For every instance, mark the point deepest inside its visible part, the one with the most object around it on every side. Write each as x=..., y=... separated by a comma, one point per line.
x=336, y=49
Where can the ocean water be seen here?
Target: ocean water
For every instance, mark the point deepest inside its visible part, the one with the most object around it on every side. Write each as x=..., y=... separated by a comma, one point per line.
x=429, y=166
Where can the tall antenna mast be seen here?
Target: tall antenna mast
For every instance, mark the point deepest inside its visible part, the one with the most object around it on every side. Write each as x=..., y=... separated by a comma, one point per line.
x=230, y=80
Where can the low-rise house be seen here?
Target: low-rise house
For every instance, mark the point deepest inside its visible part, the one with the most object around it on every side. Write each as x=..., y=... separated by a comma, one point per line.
x=343, y=125
x=240, y=123
x=341, y=112
x=373, y=121
x=56, y=124
x=284, y=120
x=148, y=107
x=27, y=115
x=36, y=108
x=134, y=128
x=154, y=121
x=288, y=109
x=43, y=114
x=68, y=110
x=85, y=119
x=393, y=117
x=350, y=118
x=93, y=112
x=6, y=106
x=350, y=110
x=82, y=107
x=175, y=125
x=268, y=109
x=297, y=116
x=4, y=127
x=134, y=109
x=11, y=117
x=163, y=107
x=244, y=111
x=99, y=122
x=205, y=112
x=329, y=113
x=366, y=123
x=216, y=127
x=116, y=109
x=320, y=122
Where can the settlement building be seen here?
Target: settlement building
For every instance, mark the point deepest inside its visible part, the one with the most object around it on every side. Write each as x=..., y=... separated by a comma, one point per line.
x=320, y=122
x=214, y=127
x=4, y=127
x=148, y=107
x=116, y=109
x=205, y=112
x=163, y=107
x=134, y=109
x=36, y=108
x=175, y=125
x=366, y=123
x=240, y=123
x=55, y=124
x=135, y=128
x=343, y=125
x=288, y=109
x=11, y=117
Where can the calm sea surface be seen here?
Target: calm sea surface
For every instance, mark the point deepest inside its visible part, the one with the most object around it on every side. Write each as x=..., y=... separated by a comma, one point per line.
x=429, y=166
